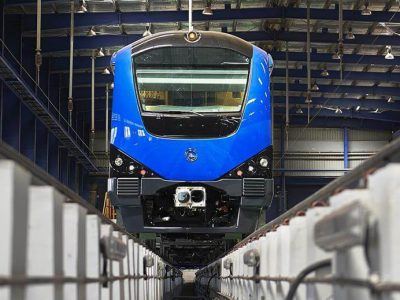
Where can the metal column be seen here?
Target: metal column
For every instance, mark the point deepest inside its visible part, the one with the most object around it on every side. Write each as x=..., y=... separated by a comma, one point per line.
x=71, y=63
x=106, y=130
x=346, y=147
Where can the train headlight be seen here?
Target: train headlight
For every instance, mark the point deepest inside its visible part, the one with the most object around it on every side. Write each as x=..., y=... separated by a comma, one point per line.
x=251, y=169
x=197, y=196
x=118, y=161
x=125, y=165
x=263, y=162
x=183, y=196
x=192, y=36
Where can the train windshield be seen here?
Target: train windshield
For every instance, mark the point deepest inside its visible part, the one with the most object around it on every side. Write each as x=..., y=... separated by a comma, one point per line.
x=189, y=79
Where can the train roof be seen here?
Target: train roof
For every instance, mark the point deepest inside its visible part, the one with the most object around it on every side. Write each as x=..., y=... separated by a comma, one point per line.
x=207, y=39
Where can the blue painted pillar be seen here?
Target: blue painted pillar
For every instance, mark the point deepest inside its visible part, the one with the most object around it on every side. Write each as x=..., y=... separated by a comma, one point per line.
x=346, y=147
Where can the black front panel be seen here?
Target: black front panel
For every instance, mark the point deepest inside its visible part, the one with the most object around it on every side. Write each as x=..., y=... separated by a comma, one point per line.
x=187, y=126
x=221, y=209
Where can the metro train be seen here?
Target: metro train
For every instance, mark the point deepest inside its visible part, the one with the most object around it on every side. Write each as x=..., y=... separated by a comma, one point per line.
x=191, y=134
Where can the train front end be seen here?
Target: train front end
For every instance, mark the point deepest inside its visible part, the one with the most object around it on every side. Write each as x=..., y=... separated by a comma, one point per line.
x=191, y=136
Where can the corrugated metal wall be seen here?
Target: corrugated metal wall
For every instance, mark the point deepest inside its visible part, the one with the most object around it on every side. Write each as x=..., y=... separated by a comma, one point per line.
x=322, y=150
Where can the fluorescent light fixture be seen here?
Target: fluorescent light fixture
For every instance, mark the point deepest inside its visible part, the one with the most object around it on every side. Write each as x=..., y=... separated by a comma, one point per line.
x=207, y=10
x=325, y=73
x=100, y=52
x=376, y=111
x=315, y=86
x=147, y=31
x=389, y=54
x=366, y=11
x=82, y=7
x=350, y=35
x=336, y=55
x=91, y=32
x=299, y=110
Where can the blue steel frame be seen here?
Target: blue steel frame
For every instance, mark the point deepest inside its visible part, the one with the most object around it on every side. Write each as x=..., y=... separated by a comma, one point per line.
x=216, y=156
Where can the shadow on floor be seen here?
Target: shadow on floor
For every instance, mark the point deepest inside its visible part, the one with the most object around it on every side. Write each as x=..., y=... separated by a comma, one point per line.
x=188, y=293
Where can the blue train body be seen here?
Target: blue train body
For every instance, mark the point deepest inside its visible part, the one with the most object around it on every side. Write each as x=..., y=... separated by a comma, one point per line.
x=161, y=164
x=216, y=156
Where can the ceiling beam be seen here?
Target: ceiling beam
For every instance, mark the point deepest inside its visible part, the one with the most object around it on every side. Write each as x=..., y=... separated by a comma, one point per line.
x=370, y=104
x=60, y=21
x=316, y=112
x=60, y=64
x=363, y=90
x=54, y=44
x=32, y=2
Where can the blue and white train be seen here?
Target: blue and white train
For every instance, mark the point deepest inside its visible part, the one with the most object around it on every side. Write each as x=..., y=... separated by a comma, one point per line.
x=191, y=134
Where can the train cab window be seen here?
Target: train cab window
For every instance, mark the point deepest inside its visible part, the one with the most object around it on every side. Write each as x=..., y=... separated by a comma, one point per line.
x=190, y=79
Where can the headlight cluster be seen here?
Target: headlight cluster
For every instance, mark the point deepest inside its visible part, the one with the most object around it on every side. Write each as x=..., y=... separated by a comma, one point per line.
x=258, y=166
x=124, y=165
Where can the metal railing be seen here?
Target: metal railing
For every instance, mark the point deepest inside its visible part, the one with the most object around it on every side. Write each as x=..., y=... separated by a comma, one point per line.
x=18, y=79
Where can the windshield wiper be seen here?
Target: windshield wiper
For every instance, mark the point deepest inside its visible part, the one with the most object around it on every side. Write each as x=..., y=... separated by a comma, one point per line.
x=181, y=112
